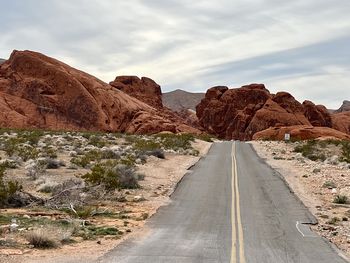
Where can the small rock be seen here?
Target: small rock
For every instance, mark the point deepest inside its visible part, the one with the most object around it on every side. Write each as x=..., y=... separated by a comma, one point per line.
x=138, y=198
x=316, y=170
x=26, y=216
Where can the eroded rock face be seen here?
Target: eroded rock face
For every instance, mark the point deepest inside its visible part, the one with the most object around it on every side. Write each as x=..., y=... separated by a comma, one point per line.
x=144, y=89
x=341, y=121
x=300, y=132
x=318, y=115
x=40, y=92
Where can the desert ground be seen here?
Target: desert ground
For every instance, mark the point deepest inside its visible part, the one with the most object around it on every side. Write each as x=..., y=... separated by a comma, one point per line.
x=78, y=218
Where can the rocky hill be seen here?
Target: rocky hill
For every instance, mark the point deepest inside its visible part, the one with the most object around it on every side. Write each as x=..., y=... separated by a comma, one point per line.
x=2, y=60
x=344, y=107
x=179, y=100
x=243, y=112
x=37, y=91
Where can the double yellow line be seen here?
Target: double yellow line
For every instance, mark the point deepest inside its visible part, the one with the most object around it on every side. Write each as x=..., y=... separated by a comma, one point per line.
x=237, y=229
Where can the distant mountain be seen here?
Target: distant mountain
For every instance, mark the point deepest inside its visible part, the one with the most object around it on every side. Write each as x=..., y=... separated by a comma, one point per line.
x=344, y=107
x=179, y=100
x=2, y=60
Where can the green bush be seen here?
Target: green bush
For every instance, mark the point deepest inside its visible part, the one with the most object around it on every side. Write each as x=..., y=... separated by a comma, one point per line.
x=87, y=158
x=112, y=177
x=176, y=141
x=345, y=152
x=329, y=185
x=340, y=199
x=310, y=151
x=7, y=188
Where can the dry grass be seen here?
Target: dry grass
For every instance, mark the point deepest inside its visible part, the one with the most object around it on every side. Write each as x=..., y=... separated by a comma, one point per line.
x=41, y=238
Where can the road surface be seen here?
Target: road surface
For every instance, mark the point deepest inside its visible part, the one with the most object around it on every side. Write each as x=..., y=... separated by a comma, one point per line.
x=231, y=208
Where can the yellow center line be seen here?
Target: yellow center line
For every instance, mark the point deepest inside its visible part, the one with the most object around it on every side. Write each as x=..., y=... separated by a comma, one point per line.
x=233, y=211
x=236, y=211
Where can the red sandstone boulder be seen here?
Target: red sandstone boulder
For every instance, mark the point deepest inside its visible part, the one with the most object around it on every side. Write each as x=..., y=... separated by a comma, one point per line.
x=273, y=114
x=41, y=92
x=144, y=89
x=318, y=115
x=227, y=113
x=341, y=121
x=300, y=133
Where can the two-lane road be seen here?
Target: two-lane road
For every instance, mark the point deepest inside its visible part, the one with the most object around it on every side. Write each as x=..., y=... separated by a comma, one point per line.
x=231, y=208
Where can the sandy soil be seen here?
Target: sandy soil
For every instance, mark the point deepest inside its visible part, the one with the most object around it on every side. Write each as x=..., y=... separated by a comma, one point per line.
x=161, y=178
x=307, y=180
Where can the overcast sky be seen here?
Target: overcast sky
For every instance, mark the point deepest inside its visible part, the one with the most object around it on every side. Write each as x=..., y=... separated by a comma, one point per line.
x=299, y=46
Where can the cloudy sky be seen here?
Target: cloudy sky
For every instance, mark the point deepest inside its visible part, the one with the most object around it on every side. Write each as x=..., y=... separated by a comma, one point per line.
x=300, y=46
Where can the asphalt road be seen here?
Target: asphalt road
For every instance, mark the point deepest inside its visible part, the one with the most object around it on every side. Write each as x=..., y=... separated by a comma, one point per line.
x=232, y=207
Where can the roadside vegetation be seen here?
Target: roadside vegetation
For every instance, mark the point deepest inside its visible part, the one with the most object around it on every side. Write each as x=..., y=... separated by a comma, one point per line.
x=73, y=186
x=322, y=150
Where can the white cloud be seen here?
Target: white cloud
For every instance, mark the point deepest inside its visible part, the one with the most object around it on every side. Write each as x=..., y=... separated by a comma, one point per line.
x=179, y=43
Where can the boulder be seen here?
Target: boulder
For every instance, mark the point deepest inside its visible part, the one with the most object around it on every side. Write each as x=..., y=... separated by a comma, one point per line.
x=144, y=89
x=300, y=132
x=227, y=113
x=318, y=115
x=341, y=121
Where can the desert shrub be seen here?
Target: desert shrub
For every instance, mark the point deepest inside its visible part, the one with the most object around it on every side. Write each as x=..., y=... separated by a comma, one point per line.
x=31, y=137
x=103, y=231
x=82, y=212
x=176, y=141
x=40, y=238
x=112, y=177
x=10, y=164
x=345, y=152
x=27, y=152
x=49, y=152
x=157, y=153
x=53, y=163
x=205, y=137
x=87, y=158
x=146, y=145
x=7, y=188
x=97, y=140
x=341, y=199
x=109, y=154
x=329, y=185
x=333, y=221
x=129, y=160
x=47, y=187
x=309, y=150
x=69, y=184
x=35, y=169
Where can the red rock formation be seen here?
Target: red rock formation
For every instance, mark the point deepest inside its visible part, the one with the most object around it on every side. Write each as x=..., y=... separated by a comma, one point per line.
x=144, y=89
x=317, y=115
x=341, y=121
x=41, y=92
x=300, y=133
x=240, y=113
x=227, y=113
